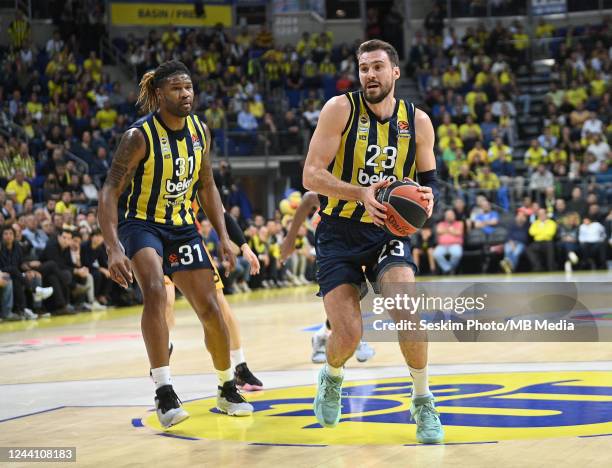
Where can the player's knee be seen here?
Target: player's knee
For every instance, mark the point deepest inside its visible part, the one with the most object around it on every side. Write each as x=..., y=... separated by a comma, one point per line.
x=154, y=292
x=208, y=308
x=349, y=334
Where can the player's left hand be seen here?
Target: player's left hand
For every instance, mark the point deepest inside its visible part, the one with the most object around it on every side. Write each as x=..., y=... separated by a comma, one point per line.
x=226, y=253
x=250, y=257
x=427, y=195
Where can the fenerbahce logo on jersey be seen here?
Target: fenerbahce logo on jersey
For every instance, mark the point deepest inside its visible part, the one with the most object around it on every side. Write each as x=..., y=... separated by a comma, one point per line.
x=473, y=408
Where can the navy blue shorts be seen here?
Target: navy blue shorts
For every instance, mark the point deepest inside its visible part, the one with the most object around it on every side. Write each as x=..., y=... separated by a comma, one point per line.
x=344, y=246
x=180, y=247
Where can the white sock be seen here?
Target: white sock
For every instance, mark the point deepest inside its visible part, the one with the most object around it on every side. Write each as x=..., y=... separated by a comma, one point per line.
x=224, y=375
x=237, y=357
x=420, y=384
x=334, y=371
x=322, y=332
x=161, y=376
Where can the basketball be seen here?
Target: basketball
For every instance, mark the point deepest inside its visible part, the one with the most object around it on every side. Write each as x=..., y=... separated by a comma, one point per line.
x=406, y=210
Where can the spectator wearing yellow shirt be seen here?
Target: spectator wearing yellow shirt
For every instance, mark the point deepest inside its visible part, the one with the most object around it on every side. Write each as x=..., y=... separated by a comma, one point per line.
x=483, y=77
x=451, y=79
x=205, y=64
x=306, y=44
x=498, y=150
x=327, y=67
x=576, y=95
x=543, y=231
x=544, y=29
x=558, y=155
x=18, y=31
x=34, y=107
x=477, y=156
x=256, y=106
x=475, y=96
x=470, y=132
x=598, y=85
x=23, y=161
x=453, y=157
x=65, y=205
x=19, y=188
x=215, y=115
x=486, y=179
x=106, y=117
x=446, y=126
x=535, y=155
x=171, y=38
x=520, y=39
x=445, y=142
x=93, y=65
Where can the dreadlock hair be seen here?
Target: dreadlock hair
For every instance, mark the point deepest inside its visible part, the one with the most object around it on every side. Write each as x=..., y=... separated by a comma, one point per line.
x=153, y=79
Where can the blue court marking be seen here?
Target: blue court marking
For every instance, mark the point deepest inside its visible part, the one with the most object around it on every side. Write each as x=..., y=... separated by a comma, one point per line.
x=266, y=444
x=137, y=422
x=176, y=436
x=33, y=414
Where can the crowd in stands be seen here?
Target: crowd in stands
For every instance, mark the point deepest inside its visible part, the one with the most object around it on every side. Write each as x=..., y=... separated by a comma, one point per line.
x=470, y=88
x=257, y=97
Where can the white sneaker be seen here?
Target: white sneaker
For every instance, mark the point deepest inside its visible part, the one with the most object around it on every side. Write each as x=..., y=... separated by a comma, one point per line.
x=231, y=402
x=168, y=406
x=245, y=287
x=265, y=284
x=568, y=266
x=29, y=315
x=97, y=306
x=364, y=352
x=318, y=349
x=304, y=280
x=573, y=257
x=40, y=294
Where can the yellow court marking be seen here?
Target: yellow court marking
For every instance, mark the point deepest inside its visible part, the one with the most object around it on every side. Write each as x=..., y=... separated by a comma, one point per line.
x=473, y=408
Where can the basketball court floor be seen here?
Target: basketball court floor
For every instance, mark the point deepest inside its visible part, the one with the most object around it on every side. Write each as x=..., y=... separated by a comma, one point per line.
x=83, y=382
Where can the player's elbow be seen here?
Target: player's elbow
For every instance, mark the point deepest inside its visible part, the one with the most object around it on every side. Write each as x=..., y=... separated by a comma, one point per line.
x=308, y=178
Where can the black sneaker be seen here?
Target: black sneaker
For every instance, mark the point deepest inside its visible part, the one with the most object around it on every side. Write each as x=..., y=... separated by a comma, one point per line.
x=231, y=402
x=170, y=349
x=245, y=379
x=168, y=406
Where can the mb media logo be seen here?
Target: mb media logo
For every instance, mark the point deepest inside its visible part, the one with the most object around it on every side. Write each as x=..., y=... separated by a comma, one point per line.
x=473, y=408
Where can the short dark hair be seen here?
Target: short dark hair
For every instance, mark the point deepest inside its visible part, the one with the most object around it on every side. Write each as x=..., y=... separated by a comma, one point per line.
x=67, y=231
x=377, y=44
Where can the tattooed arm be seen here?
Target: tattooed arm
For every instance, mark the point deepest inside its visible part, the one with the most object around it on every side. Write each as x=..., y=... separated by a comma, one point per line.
x=210, y=200
x=130, y=152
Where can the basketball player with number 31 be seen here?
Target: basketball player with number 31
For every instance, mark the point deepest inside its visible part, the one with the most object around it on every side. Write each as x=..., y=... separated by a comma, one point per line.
x=364, y=141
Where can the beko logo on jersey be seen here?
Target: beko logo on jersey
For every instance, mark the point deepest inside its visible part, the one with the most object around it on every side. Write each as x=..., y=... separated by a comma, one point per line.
x=366, y=179
x=178, y=189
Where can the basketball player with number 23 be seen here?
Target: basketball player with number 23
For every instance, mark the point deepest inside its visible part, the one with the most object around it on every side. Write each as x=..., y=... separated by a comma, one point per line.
x=366, y=147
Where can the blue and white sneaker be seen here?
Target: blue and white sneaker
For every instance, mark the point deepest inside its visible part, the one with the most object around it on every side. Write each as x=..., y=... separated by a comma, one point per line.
x=318, y=349
x=364, y=352
x=327, y=403
x=424, y=413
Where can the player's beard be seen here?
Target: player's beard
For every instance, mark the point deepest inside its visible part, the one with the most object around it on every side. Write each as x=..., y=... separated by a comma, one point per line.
x=383, y=92
x=178, y=110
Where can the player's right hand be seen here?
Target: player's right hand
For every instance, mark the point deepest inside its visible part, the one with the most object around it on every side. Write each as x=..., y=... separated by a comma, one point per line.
x=373, y=207
x=120, y=268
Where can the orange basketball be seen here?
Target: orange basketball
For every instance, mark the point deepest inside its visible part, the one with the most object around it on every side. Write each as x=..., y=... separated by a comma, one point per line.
x=406, y=210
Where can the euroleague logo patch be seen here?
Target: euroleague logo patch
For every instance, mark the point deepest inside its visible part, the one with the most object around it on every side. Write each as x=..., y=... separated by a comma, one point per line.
x=403, y=128
x=196, y=142
x=472, y=407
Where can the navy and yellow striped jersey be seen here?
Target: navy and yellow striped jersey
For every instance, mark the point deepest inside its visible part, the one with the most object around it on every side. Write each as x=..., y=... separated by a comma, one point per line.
x=165, y=182
x=372, y=150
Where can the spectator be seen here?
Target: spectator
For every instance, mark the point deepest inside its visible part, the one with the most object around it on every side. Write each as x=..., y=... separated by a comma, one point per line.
x=592, y=238
x=541, y=180
x=6, y=299
x=577, y=203
x=424, y=247
x=535, y=155
x=488, y=219
x=57, y=271
x=449, y=234
x=93, y=256
x=543, y=231
x=65, y=204
x=19, y=188
x=19, y=31
x=518, y=237
x=568, y=239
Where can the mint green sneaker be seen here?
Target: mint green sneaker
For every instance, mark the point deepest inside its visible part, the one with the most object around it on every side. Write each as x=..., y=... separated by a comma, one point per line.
x=327, y=402
x=429, y=427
